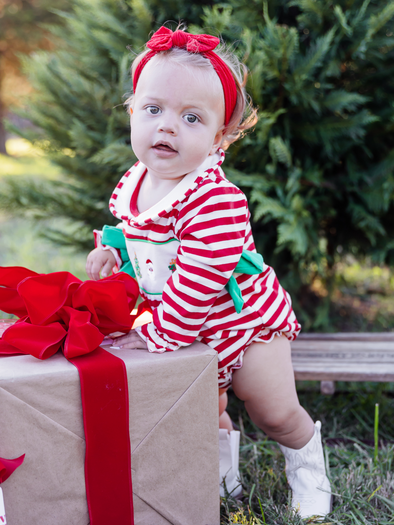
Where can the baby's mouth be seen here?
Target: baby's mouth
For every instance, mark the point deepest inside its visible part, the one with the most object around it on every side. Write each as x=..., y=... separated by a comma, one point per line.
x=164, y=146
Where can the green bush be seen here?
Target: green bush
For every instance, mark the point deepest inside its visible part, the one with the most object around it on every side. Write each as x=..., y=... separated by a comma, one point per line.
x=318, y=169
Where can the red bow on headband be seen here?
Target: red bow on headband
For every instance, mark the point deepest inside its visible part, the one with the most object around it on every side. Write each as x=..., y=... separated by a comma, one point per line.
x=165, y=39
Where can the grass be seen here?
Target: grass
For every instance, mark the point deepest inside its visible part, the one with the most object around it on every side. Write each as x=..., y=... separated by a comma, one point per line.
x=21, y=245
x=363, y=487
x=24, y=159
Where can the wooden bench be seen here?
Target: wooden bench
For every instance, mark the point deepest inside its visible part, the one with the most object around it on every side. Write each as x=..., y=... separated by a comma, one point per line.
x=343, y=357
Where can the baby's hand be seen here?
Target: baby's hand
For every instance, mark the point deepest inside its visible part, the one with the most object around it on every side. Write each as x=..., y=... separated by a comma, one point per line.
x=131, y=340
x=99, y=260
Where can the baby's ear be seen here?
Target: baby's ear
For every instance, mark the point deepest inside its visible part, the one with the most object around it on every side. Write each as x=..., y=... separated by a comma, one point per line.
x=217, y=142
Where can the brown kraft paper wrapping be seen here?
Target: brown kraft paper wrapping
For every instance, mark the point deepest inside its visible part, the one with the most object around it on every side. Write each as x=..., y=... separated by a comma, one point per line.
x=173, y=399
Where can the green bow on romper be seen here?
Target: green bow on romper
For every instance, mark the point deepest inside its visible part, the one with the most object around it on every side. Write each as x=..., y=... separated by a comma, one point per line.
x=250, y=263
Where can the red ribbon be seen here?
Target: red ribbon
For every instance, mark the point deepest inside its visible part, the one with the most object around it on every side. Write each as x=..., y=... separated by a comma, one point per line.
x=7, y=467
x=165, y=39
x=56, y=311
x=106, y=422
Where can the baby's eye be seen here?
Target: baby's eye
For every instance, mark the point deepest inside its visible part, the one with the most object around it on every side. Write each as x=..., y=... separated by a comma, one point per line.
x=153, y=110
x=191, y=119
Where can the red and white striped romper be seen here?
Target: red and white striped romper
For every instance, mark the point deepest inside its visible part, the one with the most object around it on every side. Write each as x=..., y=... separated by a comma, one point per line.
x=183, y=250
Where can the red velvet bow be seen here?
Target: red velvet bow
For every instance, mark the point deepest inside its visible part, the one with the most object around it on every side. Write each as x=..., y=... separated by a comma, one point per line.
x=165, y=39
x=58, y=310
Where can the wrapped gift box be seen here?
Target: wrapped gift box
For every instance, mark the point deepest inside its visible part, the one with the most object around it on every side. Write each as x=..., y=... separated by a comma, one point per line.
x=173, y=432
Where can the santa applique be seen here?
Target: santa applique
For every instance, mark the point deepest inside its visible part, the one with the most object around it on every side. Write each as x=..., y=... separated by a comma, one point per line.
x=149, y=266
x=172, y=265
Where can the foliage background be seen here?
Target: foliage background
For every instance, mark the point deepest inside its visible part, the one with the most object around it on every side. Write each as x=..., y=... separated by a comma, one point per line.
x=318, y=168
x=318, y=171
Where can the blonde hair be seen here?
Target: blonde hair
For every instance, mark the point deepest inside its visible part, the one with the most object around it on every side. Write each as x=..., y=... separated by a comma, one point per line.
x=244, y=115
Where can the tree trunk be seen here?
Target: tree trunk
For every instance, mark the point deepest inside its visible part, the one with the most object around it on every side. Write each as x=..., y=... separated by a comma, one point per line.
x=2, y=131
x=2, y=115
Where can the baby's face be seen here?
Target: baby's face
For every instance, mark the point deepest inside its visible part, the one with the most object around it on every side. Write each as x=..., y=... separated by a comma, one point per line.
x=177, y=119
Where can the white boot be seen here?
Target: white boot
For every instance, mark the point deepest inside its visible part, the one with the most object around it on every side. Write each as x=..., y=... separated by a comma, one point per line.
x=306, y=473
x=229, y=461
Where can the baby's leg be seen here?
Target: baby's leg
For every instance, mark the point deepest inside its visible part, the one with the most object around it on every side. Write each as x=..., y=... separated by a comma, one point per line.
x=228, y=450
x=266, y=384
x=224, y=418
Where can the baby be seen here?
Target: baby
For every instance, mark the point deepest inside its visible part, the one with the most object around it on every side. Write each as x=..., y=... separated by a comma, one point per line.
x=189, y=241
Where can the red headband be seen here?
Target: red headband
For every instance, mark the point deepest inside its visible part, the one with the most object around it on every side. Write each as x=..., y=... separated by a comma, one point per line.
x=165, y=39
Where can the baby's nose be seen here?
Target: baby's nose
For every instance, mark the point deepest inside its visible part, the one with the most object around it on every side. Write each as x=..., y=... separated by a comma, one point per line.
x=168, y=129
x=168, y=125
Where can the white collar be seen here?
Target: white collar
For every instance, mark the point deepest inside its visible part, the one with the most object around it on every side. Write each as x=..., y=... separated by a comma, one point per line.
x=120, y=200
